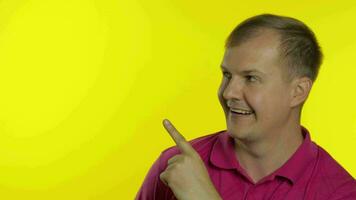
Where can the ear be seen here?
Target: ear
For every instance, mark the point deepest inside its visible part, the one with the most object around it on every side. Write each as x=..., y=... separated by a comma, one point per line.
x=301, y=87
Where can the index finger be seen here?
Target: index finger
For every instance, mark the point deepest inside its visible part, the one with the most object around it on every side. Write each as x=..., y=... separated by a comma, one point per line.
x=178, y=138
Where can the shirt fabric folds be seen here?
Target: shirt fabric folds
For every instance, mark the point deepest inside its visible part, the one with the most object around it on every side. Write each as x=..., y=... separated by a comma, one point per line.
x=309, y=174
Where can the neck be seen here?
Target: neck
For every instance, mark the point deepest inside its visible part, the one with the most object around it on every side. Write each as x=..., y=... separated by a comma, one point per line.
x=261, y=158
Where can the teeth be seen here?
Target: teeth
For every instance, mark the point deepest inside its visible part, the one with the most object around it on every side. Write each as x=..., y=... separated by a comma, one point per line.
x=241, y=111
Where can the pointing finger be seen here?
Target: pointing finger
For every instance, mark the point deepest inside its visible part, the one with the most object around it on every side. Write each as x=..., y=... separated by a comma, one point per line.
x=178, y=138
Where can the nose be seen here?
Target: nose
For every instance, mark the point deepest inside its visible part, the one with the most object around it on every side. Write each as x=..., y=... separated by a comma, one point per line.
x=233, y=90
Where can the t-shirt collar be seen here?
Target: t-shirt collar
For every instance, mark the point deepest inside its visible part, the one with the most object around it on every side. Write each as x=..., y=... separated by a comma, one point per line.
x=223, y=156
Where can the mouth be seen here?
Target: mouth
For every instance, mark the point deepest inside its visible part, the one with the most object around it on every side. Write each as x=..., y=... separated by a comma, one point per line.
x=236, y=111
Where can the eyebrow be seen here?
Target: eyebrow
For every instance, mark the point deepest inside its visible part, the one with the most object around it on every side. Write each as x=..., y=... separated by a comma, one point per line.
x=249, y=71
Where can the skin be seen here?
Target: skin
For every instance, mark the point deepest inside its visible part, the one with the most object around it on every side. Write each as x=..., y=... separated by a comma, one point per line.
x=186, y=173
x=265, y=140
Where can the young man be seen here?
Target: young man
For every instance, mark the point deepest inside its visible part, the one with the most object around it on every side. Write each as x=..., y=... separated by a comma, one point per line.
x=269, y=67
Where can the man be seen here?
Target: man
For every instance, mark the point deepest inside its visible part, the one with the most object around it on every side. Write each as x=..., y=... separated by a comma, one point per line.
x=269, y=67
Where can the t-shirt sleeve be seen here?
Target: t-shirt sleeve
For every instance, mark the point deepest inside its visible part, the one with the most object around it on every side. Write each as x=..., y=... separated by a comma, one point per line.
x=152, y=187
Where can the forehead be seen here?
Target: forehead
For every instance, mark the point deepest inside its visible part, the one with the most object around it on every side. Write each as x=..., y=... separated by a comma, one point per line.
x=260, y=53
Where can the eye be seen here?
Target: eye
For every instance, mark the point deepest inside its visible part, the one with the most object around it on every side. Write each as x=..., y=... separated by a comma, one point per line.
x=251, y=78
x=226, y=74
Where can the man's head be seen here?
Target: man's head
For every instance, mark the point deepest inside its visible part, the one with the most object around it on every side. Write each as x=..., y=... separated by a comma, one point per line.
x=269, y=66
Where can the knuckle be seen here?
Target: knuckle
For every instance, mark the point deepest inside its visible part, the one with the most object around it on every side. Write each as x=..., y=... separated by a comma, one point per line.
x=172, y=159
x=169, y=178
x=163, y=176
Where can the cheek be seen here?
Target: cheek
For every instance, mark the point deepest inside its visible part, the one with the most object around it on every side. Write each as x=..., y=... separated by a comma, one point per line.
x=269, y=105
x=265, y=101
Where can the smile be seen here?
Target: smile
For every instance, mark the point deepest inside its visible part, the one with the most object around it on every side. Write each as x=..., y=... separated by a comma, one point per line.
x=241, y=112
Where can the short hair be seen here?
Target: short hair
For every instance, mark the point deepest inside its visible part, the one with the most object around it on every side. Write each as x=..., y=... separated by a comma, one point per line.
x=298, y=47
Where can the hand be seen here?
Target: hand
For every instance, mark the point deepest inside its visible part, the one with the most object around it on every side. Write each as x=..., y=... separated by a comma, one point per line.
x=186, y=174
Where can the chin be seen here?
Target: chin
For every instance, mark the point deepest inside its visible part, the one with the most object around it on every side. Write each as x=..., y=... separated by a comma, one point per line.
x=237, y=133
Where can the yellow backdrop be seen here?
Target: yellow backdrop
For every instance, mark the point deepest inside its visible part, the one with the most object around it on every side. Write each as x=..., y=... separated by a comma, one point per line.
x=85, y=84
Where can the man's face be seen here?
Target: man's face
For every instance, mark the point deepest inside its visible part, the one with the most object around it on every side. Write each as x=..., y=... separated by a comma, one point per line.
x=253, y=82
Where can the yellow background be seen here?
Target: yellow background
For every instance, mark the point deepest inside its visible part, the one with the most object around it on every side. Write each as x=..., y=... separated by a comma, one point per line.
x=85, y=85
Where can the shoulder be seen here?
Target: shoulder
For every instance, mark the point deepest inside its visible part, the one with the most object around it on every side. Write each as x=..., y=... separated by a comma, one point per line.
x=332, y=177
x=202, y=145
x=330, y=168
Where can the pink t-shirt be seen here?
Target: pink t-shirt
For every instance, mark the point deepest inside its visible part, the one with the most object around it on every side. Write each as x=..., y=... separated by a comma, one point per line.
x=310, y=174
